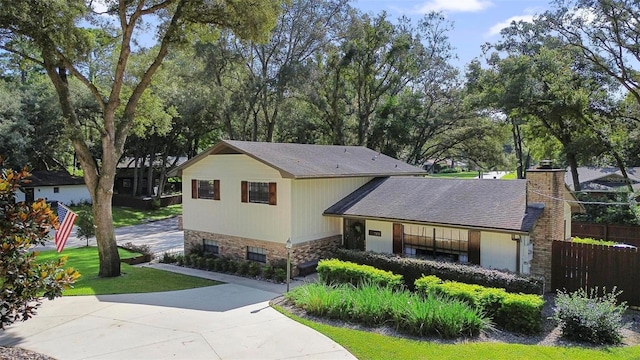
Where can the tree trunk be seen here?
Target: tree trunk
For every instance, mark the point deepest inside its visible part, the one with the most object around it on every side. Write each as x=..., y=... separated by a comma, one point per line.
x=134, y=185
x=573, y=163
x=107, y=247
x=152, y=159
x=517, y=142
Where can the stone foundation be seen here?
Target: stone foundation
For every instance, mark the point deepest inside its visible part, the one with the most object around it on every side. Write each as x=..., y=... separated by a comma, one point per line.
x=236, y=247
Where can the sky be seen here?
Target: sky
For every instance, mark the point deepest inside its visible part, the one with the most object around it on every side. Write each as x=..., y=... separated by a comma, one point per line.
x=475, y=21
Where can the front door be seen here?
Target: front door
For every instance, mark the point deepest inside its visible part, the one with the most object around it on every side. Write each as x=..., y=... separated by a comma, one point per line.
x=397, y=238
x=474, y=247
x=354, y=234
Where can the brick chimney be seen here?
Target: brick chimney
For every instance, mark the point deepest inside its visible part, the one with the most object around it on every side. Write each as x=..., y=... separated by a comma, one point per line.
x=545, y=185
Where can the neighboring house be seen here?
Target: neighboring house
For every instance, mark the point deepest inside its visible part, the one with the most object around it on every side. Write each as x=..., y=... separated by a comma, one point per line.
x=126, y=178
x=248, y=198
x=597, y=180
x=54, y=186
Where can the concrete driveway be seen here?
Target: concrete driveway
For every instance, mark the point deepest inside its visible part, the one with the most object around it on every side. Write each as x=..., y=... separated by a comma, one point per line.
x=229, y=321
x=226, y=321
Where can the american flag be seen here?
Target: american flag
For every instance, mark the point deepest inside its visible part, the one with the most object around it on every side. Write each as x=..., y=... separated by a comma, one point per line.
x=66, y=217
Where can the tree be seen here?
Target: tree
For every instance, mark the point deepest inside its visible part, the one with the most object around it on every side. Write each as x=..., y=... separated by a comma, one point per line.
x=605, y=32
x=546, y=85
x=14, y=128
x=23, y=281
x=64, y=42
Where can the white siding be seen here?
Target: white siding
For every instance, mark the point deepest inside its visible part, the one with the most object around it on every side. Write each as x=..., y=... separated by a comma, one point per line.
x=379, y=244
x=67, y=194
x=229, y=216
x=497, y=251
x=310, y=198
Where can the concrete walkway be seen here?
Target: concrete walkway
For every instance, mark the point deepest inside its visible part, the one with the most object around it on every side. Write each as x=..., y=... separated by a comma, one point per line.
x=229, y=321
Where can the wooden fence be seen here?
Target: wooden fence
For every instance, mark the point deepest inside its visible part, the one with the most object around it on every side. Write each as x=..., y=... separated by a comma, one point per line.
x=144, y=203
x=576, y=266
x=627, y=234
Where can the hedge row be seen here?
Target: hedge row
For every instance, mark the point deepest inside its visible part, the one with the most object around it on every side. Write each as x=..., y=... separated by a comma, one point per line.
x=412, y=269
x=515, y=312
x=335, y=271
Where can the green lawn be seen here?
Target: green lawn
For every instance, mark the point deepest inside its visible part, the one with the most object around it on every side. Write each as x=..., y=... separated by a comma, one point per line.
x=124, y=216
x=460, y=175
x=367, y=345
x=509, y=176
x=133, y=279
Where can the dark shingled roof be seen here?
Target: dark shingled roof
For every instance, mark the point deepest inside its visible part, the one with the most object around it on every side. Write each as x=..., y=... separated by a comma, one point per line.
x=52, y=178
x=590, y=178
x=313, y=161
x=490, y=204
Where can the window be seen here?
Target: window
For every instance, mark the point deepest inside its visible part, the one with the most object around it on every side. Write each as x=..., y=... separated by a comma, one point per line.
x=205, y=189
x=56, y=190
x=259, y=192
x=210, y=246
x=126, y=183
x=257, y=254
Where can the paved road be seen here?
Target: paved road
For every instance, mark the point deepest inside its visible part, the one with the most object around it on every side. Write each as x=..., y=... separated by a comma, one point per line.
x=493, y=174
x=162, y=235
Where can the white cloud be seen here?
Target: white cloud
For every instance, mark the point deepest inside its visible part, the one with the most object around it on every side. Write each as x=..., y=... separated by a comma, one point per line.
x=453, y=6
x=495, y=29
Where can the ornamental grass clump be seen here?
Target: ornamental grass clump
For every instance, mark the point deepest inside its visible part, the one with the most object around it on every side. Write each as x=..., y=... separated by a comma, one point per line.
x=374, y=305
x=590, y=317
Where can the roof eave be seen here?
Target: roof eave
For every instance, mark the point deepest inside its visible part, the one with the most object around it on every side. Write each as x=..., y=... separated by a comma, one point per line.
x=431, y=223
x=347, y=175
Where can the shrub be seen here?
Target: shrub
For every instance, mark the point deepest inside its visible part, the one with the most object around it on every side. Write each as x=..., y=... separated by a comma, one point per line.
x=144, y=249
x=180, y=260
x=243, y=268
x=168, y=258
x=211, y=264
x=215, y=265
x=202, y=263
x=254, y=269
x=280, y=275
x=592, y=241
x=223, y=264
x=337, y=271
x=426, y=282
x=589, y=317
x=194, y=258
x=232, y=266
x=520, y=313
x=516, y=312
x=268, y=271
x=84, y=223
x=412, y=269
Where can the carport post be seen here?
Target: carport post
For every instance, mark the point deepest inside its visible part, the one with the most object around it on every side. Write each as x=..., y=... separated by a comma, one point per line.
x=288, y=247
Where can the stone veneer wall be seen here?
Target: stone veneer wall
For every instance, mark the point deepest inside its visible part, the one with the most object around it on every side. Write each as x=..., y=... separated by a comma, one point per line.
x=236, y=247
x=546, y=186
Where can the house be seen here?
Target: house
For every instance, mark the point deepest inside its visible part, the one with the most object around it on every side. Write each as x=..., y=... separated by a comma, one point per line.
x=130, y=174
x=54, y=186
x=248, y=198
x=604, y=180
